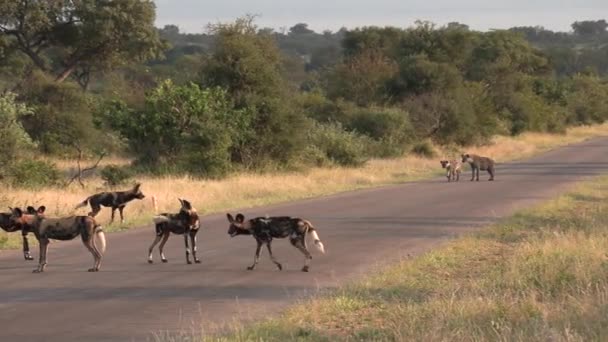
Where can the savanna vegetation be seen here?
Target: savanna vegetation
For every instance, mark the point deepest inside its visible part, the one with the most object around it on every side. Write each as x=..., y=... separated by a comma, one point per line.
x=536, y=276
x=80, y=79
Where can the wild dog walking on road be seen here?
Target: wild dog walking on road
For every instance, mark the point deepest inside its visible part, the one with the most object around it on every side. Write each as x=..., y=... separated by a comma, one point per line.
x=453, y=168
x=115, y=200
x=264, y=229
x=6, y=225
x=66, y=228
x=479, y=163
x=185, y=222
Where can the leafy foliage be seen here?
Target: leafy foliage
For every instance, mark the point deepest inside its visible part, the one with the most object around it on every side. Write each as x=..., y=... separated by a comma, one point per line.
x=88, y=35
x=14, y=137
x=184, y=128
x=29, y=173
x=248, y=64
x=114, y=175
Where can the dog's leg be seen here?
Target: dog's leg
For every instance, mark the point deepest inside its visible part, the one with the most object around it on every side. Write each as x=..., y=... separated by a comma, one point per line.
x=187, y=248
x=26, y=247
x=300, y=244
x=122, y=217
x=88, y=243
x=112, y=217
x=162, y=245
x=193, y=241
x=279, y=266
x=156, y=241
x=44, y=246
x=257, y=256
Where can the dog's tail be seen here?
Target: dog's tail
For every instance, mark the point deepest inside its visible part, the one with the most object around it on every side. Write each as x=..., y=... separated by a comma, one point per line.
x=83, y=203
x=313, y=232
x=101, y=238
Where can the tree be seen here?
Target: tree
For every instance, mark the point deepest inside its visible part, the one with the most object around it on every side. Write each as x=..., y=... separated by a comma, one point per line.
x=14, y=138
x=362, y=79
x=589, y=27
x=186, y=128
x=68, y=38
x=300, y=28
x=249, y=65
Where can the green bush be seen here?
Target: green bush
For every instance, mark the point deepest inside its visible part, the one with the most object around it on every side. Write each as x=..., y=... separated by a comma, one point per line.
x=30, y=173
x=424, y=149
x=62, y=115
x=189, y=128
x=14, y=139
x=340, y=146
x=114, y=175
x=389, y=127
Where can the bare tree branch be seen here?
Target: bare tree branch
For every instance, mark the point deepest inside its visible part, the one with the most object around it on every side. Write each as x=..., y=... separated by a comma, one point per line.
x=78, y=176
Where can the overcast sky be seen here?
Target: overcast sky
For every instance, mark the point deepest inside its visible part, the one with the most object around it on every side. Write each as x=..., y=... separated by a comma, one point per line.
x=193, y=15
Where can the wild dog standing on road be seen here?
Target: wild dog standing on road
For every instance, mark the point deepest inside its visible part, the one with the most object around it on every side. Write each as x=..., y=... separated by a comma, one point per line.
x=115, y=200
x=264, y=229
x=479, y=163
x=5, y=224
x=453, y=168
x=185, y=223
x=66, y=228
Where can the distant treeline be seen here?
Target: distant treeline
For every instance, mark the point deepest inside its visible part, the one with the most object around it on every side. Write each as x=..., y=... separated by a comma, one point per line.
x=82, y=76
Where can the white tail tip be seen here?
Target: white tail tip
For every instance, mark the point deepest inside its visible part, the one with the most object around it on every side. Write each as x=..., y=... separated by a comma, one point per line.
x=317, y=241
x=320, y=246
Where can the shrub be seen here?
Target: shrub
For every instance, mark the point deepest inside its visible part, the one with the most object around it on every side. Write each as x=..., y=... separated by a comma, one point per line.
x=14, y=137
x=390, y=128
x=62, y=115
x=189, y=128
x=114, y=175
x=30, y=173
x=424, y=149
x=340, y=146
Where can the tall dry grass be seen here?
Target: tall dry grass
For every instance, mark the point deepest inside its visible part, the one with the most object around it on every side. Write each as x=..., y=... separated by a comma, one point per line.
x=541, y=275
x=247, y=190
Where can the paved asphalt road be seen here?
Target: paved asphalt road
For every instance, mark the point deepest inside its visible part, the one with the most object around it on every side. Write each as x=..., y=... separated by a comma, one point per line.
x=130, y=299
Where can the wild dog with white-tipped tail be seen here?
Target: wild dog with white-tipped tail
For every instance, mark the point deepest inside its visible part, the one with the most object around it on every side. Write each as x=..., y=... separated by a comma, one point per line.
x=66, y=228
x=264, y=229
x=185, y=222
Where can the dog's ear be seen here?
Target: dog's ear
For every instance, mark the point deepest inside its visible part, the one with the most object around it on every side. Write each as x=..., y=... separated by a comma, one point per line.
x=17, y=212
x=230, y=218
x=30, y=210
x=240, y=218
x=41, y=209
x=186, y=205
x=137, y=186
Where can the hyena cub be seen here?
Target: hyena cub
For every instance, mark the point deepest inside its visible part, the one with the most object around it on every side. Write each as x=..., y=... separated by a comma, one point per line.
x=453, y=168
x=479, y=163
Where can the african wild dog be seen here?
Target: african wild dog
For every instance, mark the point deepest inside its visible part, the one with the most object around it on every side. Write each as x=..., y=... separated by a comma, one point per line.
x=115, y=199
x=68, y=228
x=264, y=229
x=453, y=168
x=479, y=163
x=185, y=222
x=5, y=224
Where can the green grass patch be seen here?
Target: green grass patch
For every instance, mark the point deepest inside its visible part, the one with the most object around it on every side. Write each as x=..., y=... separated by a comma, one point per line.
x=540, y=275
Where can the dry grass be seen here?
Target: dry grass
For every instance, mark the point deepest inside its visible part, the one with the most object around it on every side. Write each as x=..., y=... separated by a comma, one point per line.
x=541, y=275
x=248, y=190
